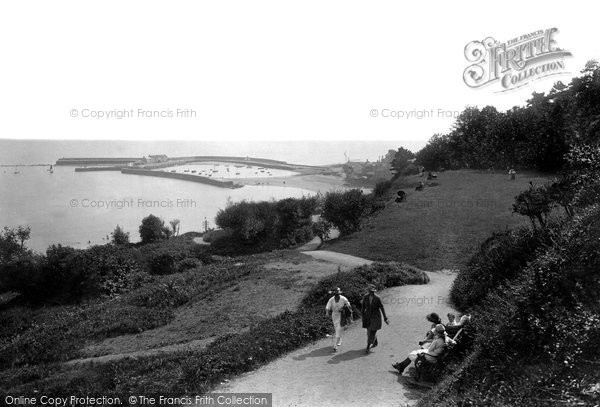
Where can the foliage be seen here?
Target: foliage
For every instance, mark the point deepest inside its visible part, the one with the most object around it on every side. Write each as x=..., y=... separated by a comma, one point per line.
x=153, y=230
x=536, y=136
x=260, y=226
x=499, y=258
x=401, y=160
x=12, y=242
x=119, y=236
x=322, y=228
x=537, y=316
x=382, y=187
x=345, y=209
x=354, y=283
x=229, y=355
x=533, y=203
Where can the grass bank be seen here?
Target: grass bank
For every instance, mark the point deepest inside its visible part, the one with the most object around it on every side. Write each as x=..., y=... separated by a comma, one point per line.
x=443, y=225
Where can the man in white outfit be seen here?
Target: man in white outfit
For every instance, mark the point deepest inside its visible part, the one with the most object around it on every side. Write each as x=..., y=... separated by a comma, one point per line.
x=334, y=308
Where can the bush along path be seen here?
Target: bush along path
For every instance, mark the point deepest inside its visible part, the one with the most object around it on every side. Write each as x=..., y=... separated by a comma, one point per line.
x=315, y=376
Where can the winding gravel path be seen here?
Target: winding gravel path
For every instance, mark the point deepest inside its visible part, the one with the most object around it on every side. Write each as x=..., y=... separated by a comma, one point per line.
x=314, y=376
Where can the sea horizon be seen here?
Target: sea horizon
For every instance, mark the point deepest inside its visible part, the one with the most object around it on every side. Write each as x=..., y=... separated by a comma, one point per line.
x=309, y=152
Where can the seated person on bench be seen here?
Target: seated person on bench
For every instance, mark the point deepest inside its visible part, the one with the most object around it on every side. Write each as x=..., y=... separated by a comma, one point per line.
x=437, y=347
x=453, y=327
x=429, y=335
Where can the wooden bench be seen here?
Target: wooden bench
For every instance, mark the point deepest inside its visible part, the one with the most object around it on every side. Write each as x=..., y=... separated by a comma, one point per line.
x=431, y=371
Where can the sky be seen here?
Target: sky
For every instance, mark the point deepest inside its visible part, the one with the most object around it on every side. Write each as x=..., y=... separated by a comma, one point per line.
x=261, y=70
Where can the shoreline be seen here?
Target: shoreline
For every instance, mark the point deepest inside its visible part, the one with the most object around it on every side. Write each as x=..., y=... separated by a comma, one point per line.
x=307, y=179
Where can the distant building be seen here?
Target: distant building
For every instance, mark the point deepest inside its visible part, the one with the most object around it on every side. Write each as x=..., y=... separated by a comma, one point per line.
x=160, y=158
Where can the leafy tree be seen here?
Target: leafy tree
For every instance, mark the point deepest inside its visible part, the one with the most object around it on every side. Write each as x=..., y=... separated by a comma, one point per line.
x=152, y=229
x=536, y=136
x=400, y=161
x=345, y=209
x=119, y=236
x=533, y=203
x=12, y=242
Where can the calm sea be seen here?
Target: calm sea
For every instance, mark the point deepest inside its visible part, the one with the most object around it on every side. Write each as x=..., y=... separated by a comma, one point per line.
x=79, y=209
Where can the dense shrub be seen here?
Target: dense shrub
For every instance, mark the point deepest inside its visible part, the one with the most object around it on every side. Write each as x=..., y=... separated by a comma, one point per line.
x=153, y=230
x=354, y=283
x=173, y=255
x=61, y=332
x=212, y=235
x=66, y=274
x=259, y=226
x=382, y=187
x=345, y=209
x=119, y=236
x=321, y=228
x=108, y=269
x=499, y=258
x=187, y=264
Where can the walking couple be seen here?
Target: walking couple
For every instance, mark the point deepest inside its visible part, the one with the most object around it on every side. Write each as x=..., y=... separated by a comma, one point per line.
x=371, y=309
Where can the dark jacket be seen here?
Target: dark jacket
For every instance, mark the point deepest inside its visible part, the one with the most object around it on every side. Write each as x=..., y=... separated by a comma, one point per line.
x=371, y=312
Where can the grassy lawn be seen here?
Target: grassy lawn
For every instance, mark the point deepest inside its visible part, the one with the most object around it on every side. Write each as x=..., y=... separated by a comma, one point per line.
x=441, y=226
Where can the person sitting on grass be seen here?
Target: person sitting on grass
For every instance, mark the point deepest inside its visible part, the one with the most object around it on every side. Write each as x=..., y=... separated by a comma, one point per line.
x=437, y=347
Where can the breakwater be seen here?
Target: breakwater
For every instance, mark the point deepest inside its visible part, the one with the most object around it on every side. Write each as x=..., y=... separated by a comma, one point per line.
x=102, y=168
x=185, y=177
x=95, y=161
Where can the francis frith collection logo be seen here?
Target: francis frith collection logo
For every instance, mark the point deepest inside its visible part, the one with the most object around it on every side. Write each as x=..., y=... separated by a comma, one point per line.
x=514, y=63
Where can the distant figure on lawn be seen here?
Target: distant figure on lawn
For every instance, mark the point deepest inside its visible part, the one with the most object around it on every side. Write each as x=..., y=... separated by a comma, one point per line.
x=371, y=309
x=431, y=176
x=437, y=347
x=451, y=319
x=420, y=187
x=401, y=196
x=512, y=174
x=335, y=307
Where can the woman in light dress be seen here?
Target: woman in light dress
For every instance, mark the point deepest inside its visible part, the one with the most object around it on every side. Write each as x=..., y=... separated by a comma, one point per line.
x=435, y=349
x=334, y=308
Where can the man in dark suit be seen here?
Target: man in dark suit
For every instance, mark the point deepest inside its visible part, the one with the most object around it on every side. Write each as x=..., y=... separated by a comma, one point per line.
x=371, y=309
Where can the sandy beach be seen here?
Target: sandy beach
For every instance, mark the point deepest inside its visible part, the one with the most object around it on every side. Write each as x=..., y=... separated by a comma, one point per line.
x=309, y=180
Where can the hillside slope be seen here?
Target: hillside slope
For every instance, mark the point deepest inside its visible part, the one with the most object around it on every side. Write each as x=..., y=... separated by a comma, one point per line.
x=441, y=226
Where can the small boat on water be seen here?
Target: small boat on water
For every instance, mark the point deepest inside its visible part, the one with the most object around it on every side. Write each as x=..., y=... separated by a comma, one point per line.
x=186, y=170
x=193, y=171
x=173, y=170
x=237, y=173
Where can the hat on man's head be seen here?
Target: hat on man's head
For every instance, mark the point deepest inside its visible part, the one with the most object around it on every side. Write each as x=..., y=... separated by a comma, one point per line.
x=371, y=288
x=440, y=329
x=433, y=317
x=338, y=290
